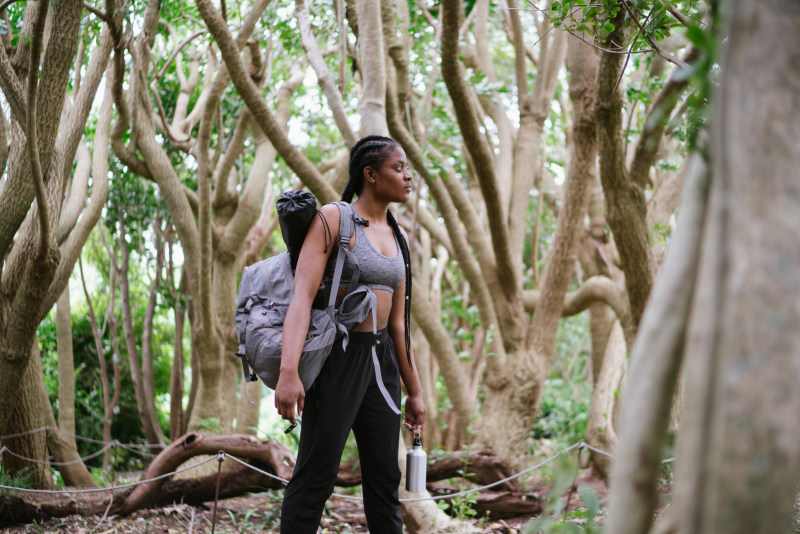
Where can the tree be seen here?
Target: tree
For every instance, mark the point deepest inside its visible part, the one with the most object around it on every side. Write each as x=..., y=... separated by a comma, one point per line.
x=39, y=245
x=726, y=304
x=212, y=218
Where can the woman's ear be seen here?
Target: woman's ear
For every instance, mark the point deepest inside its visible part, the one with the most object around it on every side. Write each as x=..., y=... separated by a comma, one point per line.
x=369, y=174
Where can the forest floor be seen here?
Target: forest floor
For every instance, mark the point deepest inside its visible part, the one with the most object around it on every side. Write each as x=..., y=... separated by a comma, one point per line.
x=248, y=513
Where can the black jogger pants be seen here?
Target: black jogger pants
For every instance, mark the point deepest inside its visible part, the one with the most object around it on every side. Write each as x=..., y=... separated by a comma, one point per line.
x=345, y=396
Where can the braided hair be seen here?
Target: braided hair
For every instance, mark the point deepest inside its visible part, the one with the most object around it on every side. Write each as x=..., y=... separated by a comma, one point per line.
x=371, y=151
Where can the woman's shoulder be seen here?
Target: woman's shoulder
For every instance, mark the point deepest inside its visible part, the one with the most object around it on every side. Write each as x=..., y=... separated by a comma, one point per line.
x=330, y=209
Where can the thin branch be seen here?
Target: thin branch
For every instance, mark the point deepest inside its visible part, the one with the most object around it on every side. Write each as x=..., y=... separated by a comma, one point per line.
x=7, y=3
x=666, y=55
x=628, y=57
x=177, y=50
x=12, y=88
x=99, y=14
x=593, y=45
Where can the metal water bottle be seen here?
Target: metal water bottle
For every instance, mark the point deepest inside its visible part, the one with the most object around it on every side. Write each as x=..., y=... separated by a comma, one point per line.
x=416, y=466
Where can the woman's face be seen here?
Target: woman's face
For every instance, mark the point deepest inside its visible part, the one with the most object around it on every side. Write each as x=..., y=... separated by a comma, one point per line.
x=393, y=180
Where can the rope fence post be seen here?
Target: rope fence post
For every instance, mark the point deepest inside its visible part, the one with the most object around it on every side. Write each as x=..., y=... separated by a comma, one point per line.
x=220, y=459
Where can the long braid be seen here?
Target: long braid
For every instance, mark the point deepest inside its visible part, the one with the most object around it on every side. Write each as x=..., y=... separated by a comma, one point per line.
x=370, y=151
x=401, y=240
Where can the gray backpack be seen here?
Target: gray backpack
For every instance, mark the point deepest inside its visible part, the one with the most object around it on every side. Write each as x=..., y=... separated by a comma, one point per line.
x=265, y=291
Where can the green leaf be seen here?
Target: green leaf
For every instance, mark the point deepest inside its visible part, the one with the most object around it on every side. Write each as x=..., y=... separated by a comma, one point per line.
x=590, y=500
x=697, y=36
x=609, y=27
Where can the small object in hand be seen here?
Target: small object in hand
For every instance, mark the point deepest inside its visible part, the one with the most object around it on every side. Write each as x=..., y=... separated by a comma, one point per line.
x=290, y=428
x=416, y=466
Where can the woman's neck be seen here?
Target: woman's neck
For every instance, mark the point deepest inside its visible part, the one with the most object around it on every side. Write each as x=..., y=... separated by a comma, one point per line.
x=370, y=210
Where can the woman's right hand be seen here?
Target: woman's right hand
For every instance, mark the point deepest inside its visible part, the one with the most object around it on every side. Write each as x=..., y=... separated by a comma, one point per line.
x=289, y=393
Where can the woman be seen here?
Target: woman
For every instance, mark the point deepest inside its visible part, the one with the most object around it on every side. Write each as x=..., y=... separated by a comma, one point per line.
x=346, y=394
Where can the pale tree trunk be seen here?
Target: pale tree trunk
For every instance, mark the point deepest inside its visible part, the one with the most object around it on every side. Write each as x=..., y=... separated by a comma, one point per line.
x=62, y=446
x=656, y=359
x=176, y=411
x=97, y=334
x=738, y=454
x=147, y=371
x=534, y=109
x=66, y=368
x=209, y=265
x=600, y=431
x=144, y=403
x=372, y=57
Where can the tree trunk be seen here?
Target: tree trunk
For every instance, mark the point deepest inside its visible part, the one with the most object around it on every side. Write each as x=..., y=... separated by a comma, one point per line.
x=145, y=404
x=514, y=407
x=738, y=453
x=25, y=454
x=176, y=412
x=66, y=366
x=600, y=424
x=625, y=202
x=108, y=404
x=372, y=57
x=61, y=445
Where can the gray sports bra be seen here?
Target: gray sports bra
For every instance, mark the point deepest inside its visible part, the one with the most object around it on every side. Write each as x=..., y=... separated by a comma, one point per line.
x=375, y=270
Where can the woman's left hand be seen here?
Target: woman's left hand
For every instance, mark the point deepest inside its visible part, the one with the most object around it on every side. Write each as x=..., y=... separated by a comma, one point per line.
x=414, y=418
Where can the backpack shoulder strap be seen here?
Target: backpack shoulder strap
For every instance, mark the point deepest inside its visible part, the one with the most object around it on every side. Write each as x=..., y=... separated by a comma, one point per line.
x=347, y=215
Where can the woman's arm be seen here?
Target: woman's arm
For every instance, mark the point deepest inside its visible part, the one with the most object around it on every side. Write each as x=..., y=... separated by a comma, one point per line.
x=414, y=418
x=314, y=255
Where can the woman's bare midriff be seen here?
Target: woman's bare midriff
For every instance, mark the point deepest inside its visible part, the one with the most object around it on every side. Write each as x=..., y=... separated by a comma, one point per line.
x=384, y=299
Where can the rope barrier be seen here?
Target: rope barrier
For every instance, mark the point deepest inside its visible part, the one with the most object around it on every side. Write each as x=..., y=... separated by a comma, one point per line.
x=48, y=462
x=76, y=436
x=110, y=488
x=222, y=454
x=578, y=445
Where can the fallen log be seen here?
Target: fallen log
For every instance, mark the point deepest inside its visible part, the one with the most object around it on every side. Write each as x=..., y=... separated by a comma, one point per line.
x=481, y=467
x=270, y=457
x=494, y=504
x=267, y=455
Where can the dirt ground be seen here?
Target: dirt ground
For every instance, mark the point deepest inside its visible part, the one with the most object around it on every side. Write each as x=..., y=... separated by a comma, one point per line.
x=250, y=513
x=260, y=512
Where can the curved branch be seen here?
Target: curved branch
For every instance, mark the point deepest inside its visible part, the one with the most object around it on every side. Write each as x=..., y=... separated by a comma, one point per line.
x=477, y=146
x=250, y=201
x=96, y=12
x=593, y=290
x=258, y=107
x=324, y=77
x=656, y=121
x=177, y=51
x=275, y=456
x=12, y=88
x=71, y=249
x=7, y=3
x=32, y=143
